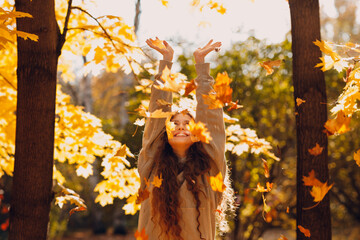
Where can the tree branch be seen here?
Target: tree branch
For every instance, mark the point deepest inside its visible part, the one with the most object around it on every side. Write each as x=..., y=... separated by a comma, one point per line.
x=6, y=80
x=62, y=36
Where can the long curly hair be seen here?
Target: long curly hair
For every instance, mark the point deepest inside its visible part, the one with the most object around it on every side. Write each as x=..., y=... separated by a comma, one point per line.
x=165, y=200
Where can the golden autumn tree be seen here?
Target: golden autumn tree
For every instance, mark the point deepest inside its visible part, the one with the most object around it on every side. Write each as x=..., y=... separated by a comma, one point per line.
x=78, y=136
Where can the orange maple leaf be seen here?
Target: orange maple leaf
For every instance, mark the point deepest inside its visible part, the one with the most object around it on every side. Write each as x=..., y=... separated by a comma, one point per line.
x=157, y=42
x=305, y=231
x=311, y=180
x=77, y=209
x=357, y=157
x=157, y=181
x=221, y=94
x=199, y=132
x=319, y=192
x=142, y=195
x=189, y=87
x=299, y=101
x=317, y=150
x=338, y=125
x=141, y=235
x=217, y=182
x=234, y=105
x=268, y=66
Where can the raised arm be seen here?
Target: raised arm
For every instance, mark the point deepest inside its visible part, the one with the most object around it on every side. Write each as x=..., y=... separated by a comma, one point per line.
x=154, y=127
x=213, y=118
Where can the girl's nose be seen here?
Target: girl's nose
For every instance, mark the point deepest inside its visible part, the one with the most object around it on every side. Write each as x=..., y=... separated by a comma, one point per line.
x=181, y=126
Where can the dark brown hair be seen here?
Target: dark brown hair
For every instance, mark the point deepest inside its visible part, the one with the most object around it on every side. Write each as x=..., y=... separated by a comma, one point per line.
x=165, y=200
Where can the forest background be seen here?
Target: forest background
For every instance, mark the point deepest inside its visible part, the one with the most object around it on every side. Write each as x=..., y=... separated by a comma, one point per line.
x=112, y=93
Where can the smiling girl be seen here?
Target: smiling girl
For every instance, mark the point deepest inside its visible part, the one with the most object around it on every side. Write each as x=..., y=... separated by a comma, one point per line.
x=185, y=206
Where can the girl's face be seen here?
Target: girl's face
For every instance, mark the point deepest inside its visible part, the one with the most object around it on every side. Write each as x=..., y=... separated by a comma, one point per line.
x=181, y=140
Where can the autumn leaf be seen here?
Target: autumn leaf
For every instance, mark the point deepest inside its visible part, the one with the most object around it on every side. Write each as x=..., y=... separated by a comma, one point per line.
x=170, y=127
x=199, y=132
x=282, y=237
x=160, y=114
x=234, y=105
x=142, y=195
x=217, y=182
x=260, y=188
x=157, y=181
x=299, y=101
x=5, y=225
x=76, y=209
x=287, y=210
x=157, y=42
x=212, y=101
x=319, y=192
x=162, y=102
x=147, y=182
x=266, y=168
x=305, y=231
x=172, y=82
x=357, y=157
x=311, y=180
x=141, y=235
x=221, y=94
x=317, y=150
x=139, y=122
x=189, y=87
x=338, y=125
x=268, y=65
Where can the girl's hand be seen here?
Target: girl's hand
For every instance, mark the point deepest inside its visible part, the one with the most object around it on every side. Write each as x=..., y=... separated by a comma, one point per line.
x=166, y=50
x=201, y=53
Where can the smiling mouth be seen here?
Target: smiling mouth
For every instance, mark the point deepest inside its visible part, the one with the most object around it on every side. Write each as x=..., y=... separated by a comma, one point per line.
x=181, y=135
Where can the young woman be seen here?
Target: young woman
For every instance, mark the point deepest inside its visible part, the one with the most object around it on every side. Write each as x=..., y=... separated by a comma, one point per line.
x=185, y=206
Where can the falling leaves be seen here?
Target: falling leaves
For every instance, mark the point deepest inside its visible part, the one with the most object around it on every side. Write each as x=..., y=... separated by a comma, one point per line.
x=305, y=231
x=189, y=87
x=199, y=132
x=357, y=157
x=299, y=101
x=338, y=125
x=170, y=127
x=141, y=235
x=221, y=94
x=217, y=182
x=261, y=189
x=268, y=65
x=142, y=195
x=157, y=181
x=172, y=82
x=319, y=189
x=317, y=150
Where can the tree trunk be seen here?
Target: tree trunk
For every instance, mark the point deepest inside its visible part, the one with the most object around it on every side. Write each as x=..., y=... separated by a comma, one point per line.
x=309, y=85
x=36, y=73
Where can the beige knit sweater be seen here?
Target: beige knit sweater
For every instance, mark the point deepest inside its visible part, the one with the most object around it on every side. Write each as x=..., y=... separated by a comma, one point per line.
x=213, y=118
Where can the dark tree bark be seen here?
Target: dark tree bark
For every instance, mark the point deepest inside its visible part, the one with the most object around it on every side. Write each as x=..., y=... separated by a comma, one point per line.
x=309, y=85
x=31, y=193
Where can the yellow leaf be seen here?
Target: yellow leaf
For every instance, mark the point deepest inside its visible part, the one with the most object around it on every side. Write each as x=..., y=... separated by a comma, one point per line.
x=221, y=9
x=217, y=183
x=160, y=114
x=172, y=82
x=162, y=102
x=319, y=192
x=299, y=101
x=199, y=132
x=131, y=207
x=357, y=157
x=338, y=125
x=315, y=151
x=268, y=65
x=157, y=181
x=170, y=127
